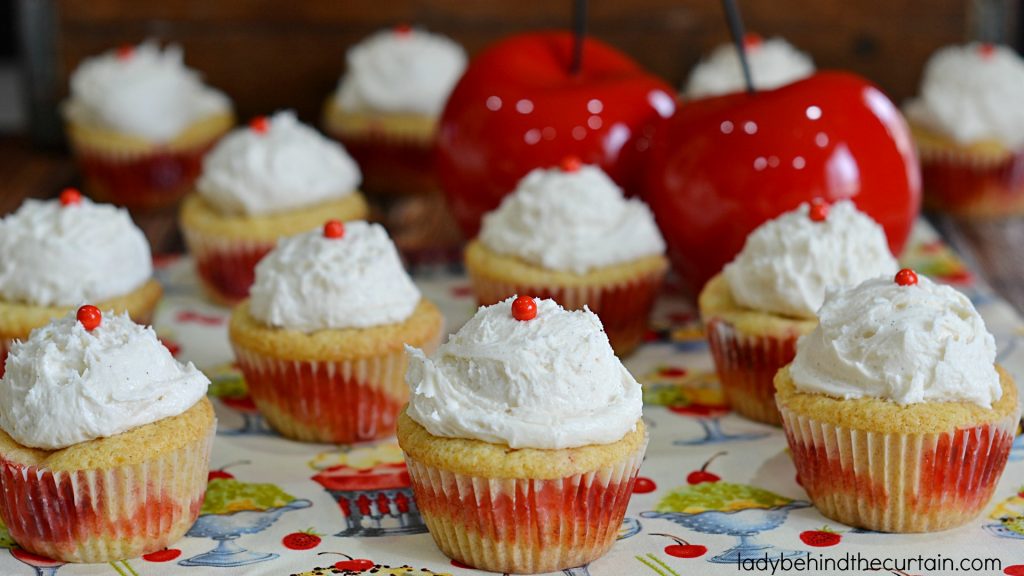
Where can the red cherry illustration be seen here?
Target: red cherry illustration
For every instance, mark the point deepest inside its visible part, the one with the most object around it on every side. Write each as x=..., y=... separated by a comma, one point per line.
x=35, y=559
x=702, y=475
x=334, y=229
x=259, y=124
x=752, y=41
x=672, y=372
x=644, y=485
x=1020, y=492
x=352, y=564
x=90, y=317
x=906, y=277
x=819, y=210
x=1015, y=570
x=986, y=50
x=165, y=555
x=125, y=51
x=820, y=538
x=70, y=197
x=222, y=473
x=682, y=548
x=524, y=308
x=570, y=164
x=304, y=540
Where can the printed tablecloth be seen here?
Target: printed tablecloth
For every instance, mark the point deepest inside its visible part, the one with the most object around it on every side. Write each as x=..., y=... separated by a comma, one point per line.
x=348, y=509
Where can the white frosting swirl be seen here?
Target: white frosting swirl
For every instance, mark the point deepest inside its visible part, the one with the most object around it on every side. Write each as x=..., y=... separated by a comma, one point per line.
x=571, y=221
x=787, y=263
x=54, y=255
x=289, y=166
x=310, y=282
x=908, y=344
x=65, y=385
x=971, y=94
x=773, y=63
x=149, y=93
x=551, y=382
x=401, y=71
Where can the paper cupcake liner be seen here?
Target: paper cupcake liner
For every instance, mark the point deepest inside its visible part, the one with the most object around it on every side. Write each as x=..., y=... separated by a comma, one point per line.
x=140, y=181
x=746, y=367
x=521, y=525
x=5, y=346
x=332, y=402
x=967, y=184
x=623, y=307
x=898, y=482
x=393, y=164
x=101, y=515
x=226, y=266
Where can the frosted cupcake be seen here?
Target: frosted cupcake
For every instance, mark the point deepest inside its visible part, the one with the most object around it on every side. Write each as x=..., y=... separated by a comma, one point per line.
x=388, y=102
x=139, y=122
x=274, y=178
x=58, y=254
x=896, y=415
x=969, y=130
x=767, y=297
x=104, y=440
x=773, y=64
x=522, y=411
x=569, y=234
x=321, y=340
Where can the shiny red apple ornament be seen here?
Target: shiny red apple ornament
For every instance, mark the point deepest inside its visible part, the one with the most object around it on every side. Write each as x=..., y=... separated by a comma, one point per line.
x=721, y=166
x=518, y=107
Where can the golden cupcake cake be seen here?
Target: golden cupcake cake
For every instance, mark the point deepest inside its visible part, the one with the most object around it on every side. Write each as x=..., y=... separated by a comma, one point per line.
x=969, y=130
x=897, y=417
x=569, y=234
x=139, y=122
x=276, y=177
x=767, y=297
x=60, y=253
x=515, y=418
x=321, y=340
x=104, y=440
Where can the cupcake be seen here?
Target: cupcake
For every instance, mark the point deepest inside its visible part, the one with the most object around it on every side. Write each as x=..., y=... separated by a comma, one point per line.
x=58, y=254
x=523, y=438
x=568, y=233
x=896, y=415
x=104, y=440
x=969, y=130
x=773, y=64
x=277, y=177
x=139, y=122
x=320, y=342
x=767, y=297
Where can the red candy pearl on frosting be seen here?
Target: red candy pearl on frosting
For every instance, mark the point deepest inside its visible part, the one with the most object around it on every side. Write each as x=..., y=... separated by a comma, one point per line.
x=524, y=308
x=89, y=316
x=125, y=51
x=752, y=41
x=986, y=50
x=70, y=196
x=906, y=277
x=334, y=229
x=259, y=124
x=403, y=29
x=570, y=164
x=819, y=211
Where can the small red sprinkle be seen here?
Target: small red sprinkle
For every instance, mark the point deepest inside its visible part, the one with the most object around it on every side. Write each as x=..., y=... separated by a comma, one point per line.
x=906, y=277
x=90, y=317
x=403, y=29
x=334, y=229
x=986, y=49
x=70, y=196
x=125, y=51
x=259, y=124
x=524, y=308
x=570, y=164
x=752, y=41
x=819, y=210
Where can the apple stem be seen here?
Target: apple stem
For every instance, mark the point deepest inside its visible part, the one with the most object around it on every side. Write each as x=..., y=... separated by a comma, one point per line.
x=735, y=20
x=579, y=28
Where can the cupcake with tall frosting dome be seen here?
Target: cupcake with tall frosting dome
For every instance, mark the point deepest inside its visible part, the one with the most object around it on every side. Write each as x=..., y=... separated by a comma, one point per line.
x=60, y=253
x=896, y=414
x=321, y=340
x=527, y=399
x=276, y=177
x=139, y=122
x=95, y=404
x=773, y=64
x=969, y=130
x=568, y=233
x=768, y=296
